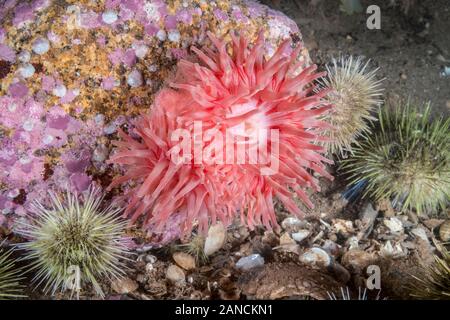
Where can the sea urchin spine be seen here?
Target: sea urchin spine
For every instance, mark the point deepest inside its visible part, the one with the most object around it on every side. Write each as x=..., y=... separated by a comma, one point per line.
x=10, y=276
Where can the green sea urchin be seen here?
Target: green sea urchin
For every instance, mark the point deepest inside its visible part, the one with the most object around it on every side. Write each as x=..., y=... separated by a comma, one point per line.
x=10, y=276
x=406, y=160
x=434, y=282
x=355, y=93
x=75, y=242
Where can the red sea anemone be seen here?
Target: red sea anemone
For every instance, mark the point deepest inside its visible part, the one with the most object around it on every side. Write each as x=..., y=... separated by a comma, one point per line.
x=244, y=128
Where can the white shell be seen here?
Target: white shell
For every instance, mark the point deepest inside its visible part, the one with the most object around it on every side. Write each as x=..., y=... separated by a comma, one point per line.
x=215, y=239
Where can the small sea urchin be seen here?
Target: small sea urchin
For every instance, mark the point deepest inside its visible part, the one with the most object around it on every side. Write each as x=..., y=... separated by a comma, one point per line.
x=355, y=93
x=406, y=160
x=234, y=92
x=74, y=243
x=10, y=276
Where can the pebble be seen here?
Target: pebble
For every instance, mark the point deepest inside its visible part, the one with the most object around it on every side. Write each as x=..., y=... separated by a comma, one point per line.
x=446, y=71
x=394, y=224
x=316, y=257
x=41, y=46
x=175, y=274
x=250, y=262
x=124, y=286
x=215, y=239
x=135, y=79
x=184, y=260
x=109, y=17
x=301, y=235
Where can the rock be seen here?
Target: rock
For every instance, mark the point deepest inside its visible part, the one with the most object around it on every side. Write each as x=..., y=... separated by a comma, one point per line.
x=316, y=257
x=357, y=260
x=444, y=231
x=215, y=239
x=368, y=213
x=394, y=224
x=184, y=260
x=301, y=235
x=250, y=262
x=124, y=285
x=175, y=274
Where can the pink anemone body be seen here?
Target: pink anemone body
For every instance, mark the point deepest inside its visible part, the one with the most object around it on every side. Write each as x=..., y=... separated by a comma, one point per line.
x=231, y=92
